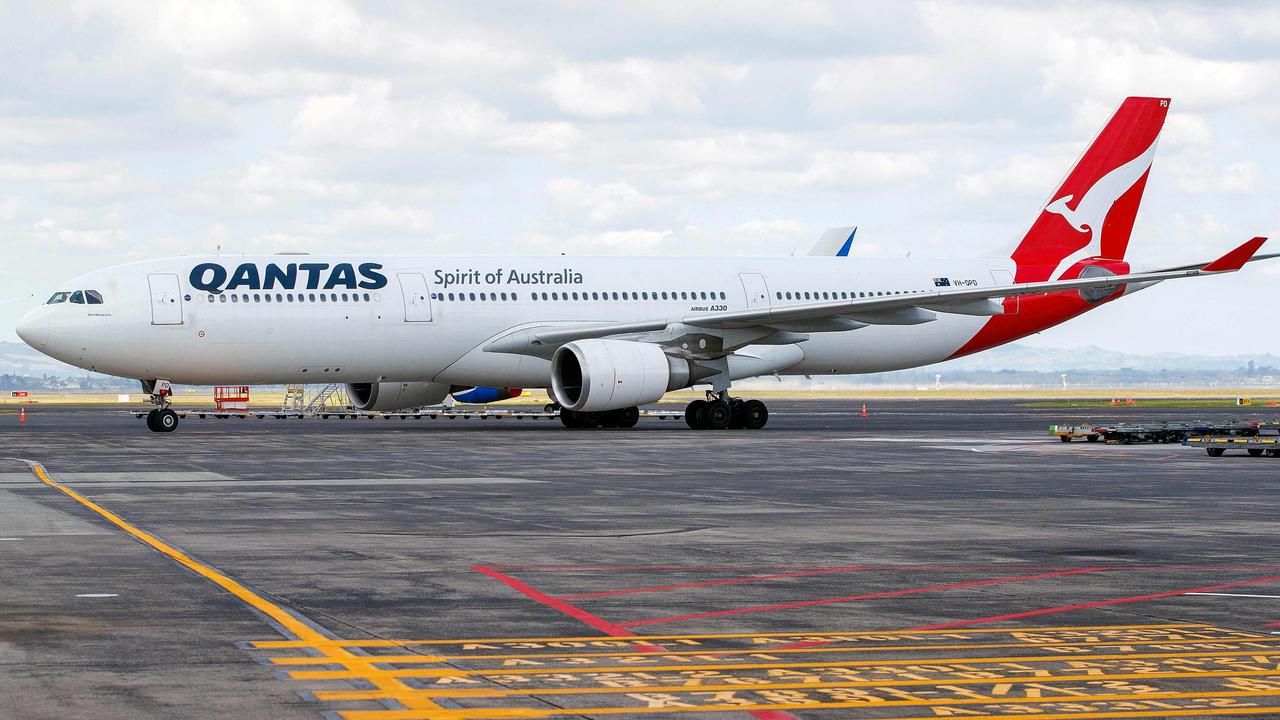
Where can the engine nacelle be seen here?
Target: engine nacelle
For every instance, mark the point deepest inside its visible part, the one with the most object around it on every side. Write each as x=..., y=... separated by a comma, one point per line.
x=594, y=375
x=388, y=396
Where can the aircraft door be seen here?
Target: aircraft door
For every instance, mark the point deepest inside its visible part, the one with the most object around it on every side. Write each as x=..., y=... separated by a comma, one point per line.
x=756, y=289
x=417, y=298
x=1004, y=277
x=166, y=299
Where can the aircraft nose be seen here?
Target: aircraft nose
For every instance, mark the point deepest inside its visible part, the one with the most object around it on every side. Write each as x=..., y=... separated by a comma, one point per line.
x=33, y=328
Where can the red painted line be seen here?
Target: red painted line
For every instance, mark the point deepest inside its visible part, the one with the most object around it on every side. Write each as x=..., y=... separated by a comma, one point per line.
x=572, y=611
x=1095, y=604
x=600, y=624
x=727, y=581
x=851, y=598
x=1274, y=624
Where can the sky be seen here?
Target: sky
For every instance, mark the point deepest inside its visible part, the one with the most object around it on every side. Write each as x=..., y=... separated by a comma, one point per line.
x=134, y=130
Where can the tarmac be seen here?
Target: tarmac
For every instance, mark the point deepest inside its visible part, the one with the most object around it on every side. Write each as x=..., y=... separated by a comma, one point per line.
x=934, y=559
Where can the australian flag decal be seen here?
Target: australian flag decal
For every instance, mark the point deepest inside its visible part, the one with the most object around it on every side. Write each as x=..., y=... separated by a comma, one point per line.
x=942, y=282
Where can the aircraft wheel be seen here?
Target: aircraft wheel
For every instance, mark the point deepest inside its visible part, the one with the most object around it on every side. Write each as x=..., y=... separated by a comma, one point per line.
x=570, y=419
x=1214, y=452
x=1093, y=438
x=151, y=421
x=1064, y=438
x=718, y=415
x=166, y=420
x=1255, y=452
x=736, y=421
x=625, y=417
x=695, y=415
x=754, y=414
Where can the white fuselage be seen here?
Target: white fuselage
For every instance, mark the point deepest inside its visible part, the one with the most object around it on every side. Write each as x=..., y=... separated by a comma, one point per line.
x=424, y=319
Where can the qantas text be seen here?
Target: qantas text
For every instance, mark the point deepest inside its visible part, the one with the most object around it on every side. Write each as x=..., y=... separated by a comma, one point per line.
x=212, y=277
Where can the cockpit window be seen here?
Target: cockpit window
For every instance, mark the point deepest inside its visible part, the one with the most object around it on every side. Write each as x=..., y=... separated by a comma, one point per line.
x=77, y=297
x=93, y=297
x=58, y=297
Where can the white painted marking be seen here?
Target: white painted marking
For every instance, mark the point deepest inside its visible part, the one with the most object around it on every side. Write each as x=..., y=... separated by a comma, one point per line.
x=10, y=538
x=1271, y=597
x=98, y=595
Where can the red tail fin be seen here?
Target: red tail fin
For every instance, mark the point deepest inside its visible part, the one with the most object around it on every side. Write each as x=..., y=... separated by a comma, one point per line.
x=1091, y=213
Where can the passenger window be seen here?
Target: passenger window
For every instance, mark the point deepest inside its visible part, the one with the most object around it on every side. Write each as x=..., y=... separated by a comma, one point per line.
x=321, y=297
x=222, y=298
x=235, y=298
x=515, y=296
x=644, y=295
x=473, y=297
x=212, y=299
x=77, y=297
x=93, y=297
x=311, y=297
x=504, y=296
x=344, y=297
x=279, y=297
x=366, y=297
x=544, y=296
x=266, y=297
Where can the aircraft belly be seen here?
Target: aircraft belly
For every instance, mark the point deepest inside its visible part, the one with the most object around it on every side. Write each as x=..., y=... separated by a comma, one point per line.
x=879, y=348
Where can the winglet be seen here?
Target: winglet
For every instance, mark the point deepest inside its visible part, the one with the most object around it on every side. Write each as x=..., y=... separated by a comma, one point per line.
x=1235, y=259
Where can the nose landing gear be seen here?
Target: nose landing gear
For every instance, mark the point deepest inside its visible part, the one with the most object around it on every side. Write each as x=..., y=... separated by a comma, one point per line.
x=163, y=418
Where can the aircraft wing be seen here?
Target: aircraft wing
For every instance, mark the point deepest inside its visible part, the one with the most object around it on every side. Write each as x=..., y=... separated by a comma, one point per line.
x=839, y=315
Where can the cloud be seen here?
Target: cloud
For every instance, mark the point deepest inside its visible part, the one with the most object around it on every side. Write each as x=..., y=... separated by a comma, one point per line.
x=130, y=129
x=635, y=87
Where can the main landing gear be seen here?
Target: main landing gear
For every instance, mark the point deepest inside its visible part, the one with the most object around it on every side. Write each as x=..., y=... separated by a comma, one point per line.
x=163, y=418
x=579, y=420
x=721, y=412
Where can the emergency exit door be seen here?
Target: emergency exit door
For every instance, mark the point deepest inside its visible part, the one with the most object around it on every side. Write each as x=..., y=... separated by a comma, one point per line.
x=417, y=299
x=166, y=299
x=756, y=289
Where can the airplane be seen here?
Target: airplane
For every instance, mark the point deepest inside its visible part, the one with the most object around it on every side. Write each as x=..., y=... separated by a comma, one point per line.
x=606, y=335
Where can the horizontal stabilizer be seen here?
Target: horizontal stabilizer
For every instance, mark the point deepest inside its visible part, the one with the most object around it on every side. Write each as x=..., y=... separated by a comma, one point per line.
x=1235, y=259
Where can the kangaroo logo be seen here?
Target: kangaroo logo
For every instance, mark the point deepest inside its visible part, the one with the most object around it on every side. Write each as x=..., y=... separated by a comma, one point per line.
x=1091, y=211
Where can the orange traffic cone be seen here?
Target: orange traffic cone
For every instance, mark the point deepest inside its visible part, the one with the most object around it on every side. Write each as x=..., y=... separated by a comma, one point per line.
x=22, y=415
x=1130, y=402
x=864, y=409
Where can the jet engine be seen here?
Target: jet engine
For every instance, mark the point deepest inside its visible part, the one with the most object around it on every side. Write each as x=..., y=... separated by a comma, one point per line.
x=593, y=375
x=388, y=396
